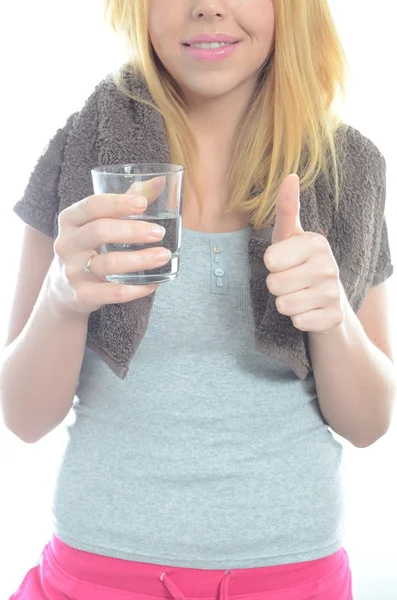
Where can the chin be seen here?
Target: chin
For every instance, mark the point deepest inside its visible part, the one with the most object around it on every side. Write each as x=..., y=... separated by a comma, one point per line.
x=212, y=87
x=210, y=93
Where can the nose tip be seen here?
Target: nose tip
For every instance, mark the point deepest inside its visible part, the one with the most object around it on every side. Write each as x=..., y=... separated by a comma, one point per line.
x=209, y=9
x=204, y=16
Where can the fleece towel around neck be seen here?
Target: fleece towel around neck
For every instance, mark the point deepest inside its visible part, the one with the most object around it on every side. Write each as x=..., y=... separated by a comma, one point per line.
x=111, y=128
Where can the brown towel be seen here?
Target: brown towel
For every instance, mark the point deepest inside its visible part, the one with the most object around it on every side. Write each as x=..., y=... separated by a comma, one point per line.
x=111, y=129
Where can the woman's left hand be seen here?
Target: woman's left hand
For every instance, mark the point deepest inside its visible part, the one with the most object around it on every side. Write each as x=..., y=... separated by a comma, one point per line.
x=304, y=275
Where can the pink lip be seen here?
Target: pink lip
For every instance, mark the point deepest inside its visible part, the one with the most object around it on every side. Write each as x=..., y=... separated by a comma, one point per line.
x=215, y=54
x=211, y=37
x=212, y=55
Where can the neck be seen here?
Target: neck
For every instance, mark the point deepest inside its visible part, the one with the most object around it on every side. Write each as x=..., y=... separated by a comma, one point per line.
x=218, y=118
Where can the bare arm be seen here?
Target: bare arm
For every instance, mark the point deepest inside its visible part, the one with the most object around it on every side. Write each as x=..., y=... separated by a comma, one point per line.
x=41, y=362
x=356, y=378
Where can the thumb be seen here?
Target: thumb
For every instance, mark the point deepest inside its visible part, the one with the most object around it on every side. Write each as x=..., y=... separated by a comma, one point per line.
x=287, y=210
x=151, y=189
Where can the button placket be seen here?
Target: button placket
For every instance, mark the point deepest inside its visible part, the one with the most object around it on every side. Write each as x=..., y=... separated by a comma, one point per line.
x=217, y=251
x=219, y=256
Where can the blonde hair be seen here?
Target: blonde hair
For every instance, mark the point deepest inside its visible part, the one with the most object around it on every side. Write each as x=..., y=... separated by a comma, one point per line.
x=292, y=119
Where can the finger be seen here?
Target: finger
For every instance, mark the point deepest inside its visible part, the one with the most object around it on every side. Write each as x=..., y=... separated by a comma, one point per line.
x=115, y=263
x=290, y=253
x=291, y=280
x=150, y=189
x=317, y=321
x=117, y=231
x=287, y=221
x=298, y=302
x=96, y=293
x=101, y=206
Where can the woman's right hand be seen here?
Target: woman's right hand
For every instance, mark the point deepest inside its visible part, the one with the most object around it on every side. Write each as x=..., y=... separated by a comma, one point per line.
x=83, y=228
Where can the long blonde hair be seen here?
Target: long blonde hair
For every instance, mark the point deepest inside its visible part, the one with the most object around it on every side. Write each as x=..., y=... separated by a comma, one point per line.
x=292, y=114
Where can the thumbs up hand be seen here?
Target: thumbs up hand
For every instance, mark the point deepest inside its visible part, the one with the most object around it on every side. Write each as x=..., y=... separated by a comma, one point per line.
x=304, y=275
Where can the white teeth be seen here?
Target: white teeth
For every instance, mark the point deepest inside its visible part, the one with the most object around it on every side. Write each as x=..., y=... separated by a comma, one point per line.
x=211, y=46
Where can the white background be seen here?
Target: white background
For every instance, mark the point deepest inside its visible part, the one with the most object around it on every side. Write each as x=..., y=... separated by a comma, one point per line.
x=53, y=54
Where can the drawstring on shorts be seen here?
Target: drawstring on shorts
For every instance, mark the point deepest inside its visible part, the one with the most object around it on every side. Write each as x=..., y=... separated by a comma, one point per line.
x=177, y=594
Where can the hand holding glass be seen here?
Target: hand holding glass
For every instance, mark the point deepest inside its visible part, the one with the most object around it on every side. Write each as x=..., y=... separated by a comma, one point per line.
x=162, y=186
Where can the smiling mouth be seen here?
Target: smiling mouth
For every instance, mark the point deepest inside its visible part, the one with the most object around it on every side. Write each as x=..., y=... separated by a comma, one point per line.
x=210, y=45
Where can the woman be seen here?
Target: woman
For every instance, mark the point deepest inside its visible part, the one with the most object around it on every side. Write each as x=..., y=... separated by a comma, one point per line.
x=200, y=462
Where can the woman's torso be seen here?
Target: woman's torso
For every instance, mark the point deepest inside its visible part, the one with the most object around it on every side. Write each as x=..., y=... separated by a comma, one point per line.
x=210, y=454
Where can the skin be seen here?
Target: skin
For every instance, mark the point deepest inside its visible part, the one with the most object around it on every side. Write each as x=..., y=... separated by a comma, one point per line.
x=357, y=394
x=251, y=21
x=216, y=94
x=351, y=353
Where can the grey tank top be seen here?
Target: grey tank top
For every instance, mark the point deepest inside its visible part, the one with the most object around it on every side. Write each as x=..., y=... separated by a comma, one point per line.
x=209, y=454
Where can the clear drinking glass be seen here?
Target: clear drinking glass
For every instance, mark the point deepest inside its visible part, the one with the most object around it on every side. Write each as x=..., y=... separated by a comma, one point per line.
x=162, y=185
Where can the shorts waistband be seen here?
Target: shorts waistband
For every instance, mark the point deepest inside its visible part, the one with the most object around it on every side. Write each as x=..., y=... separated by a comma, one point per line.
x=163, y=581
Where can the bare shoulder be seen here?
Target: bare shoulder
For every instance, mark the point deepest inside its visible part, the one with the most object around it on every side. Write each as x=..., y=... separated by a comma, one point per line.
x=36, y=257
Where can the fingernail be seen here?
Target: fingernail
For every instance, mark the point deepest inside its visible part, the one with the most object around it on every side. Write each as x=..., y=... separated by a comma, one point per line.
x=139, y=202
x=157, y=231
x=163, y=255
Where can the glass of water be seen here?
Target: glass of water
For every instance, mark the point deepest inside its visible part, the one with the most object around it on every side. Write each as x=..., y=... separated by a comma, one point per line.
x=162, y=186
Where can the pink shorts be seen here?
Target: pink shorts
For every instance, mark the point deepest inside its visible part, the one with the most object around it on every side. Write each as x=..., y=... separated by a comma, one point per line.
x=68, y=574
